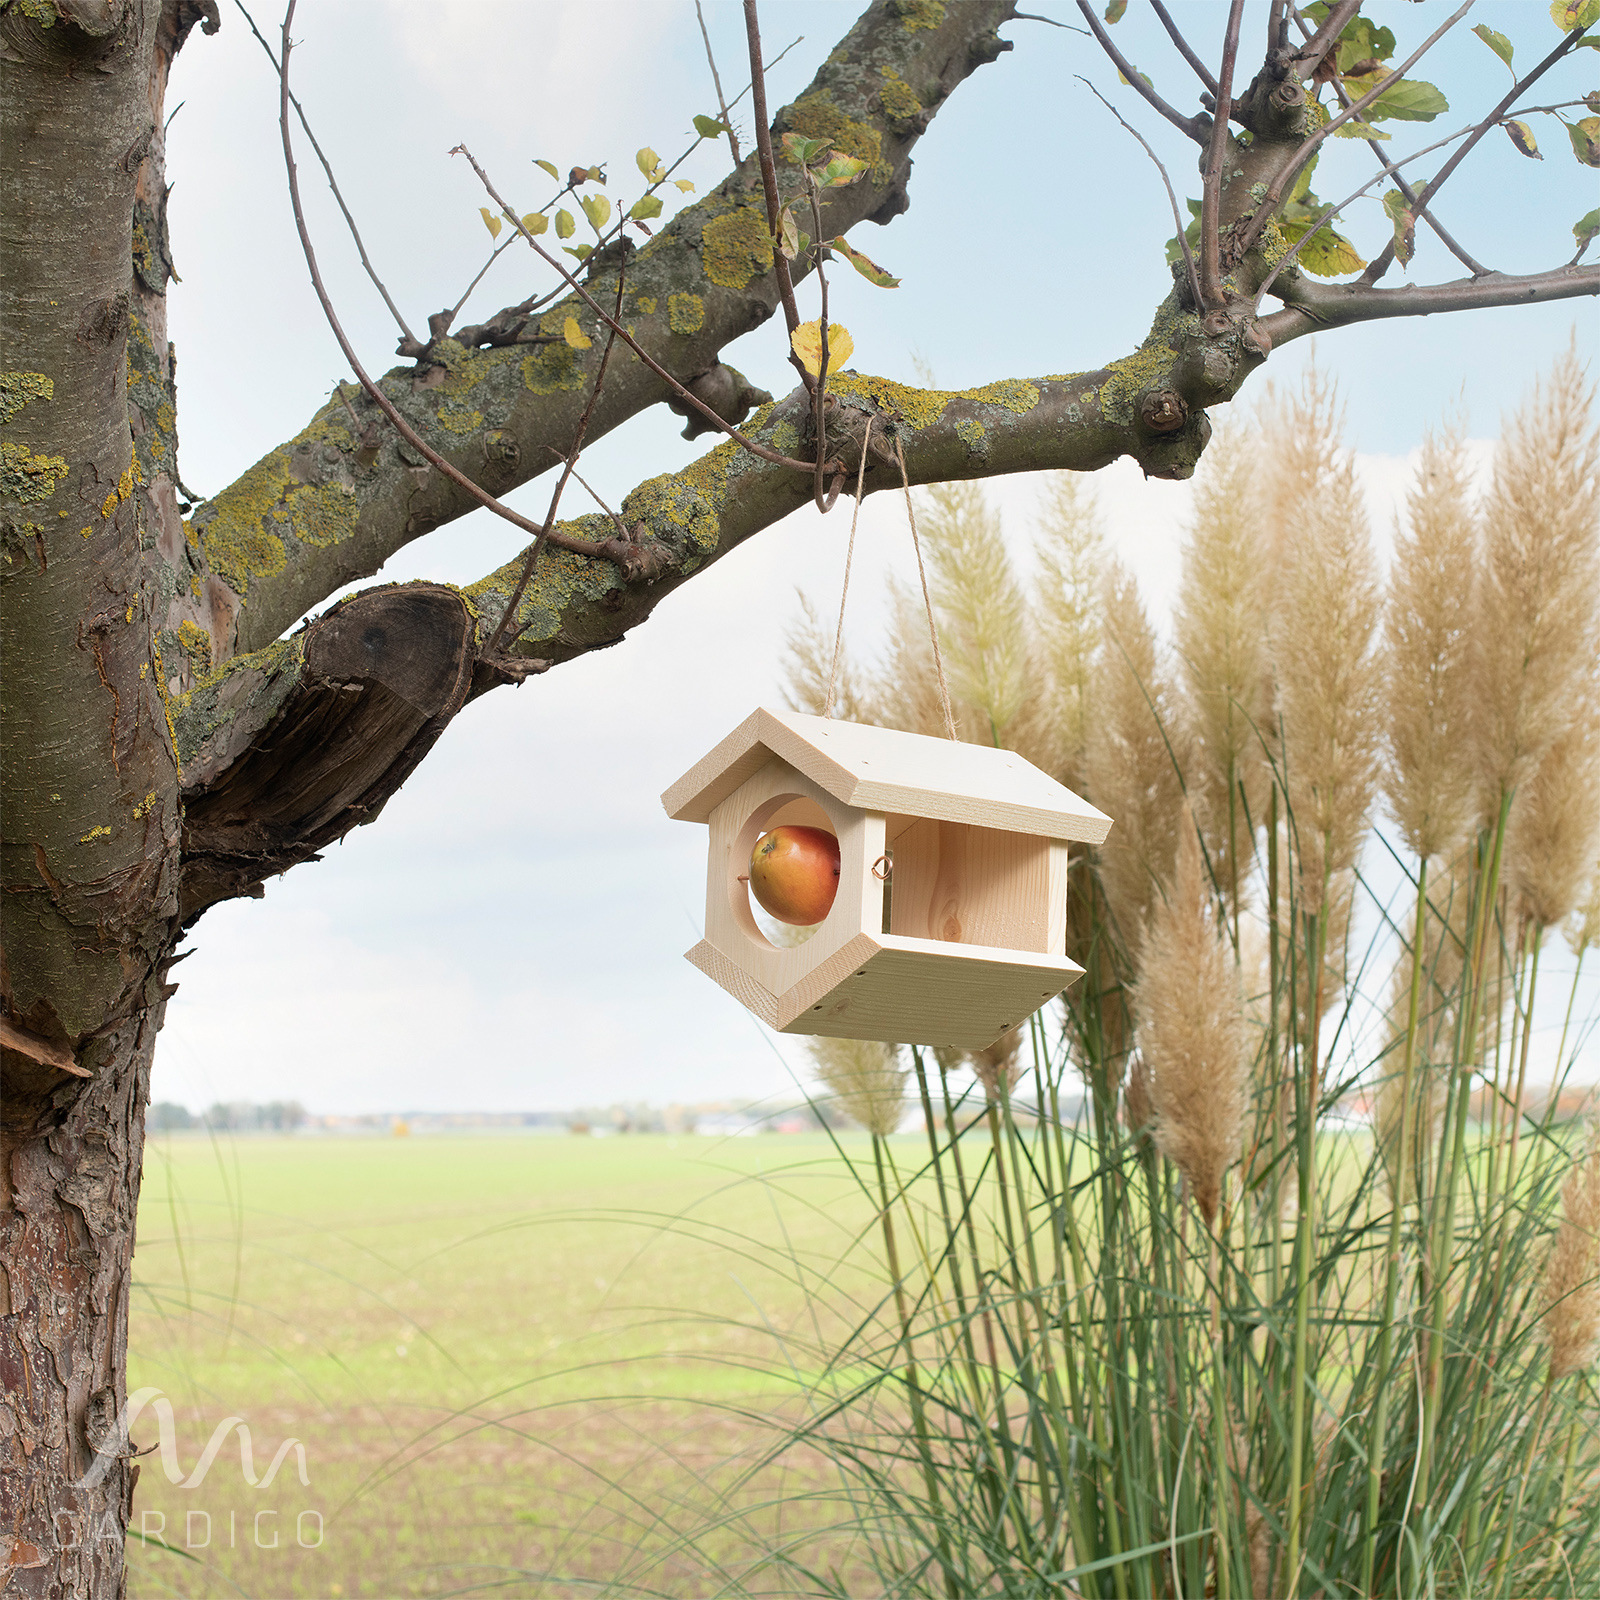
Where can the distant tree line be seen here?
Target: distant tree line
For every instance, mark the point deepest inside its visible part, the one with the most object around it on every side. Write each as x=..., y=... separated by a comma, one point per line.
x=233, y=1116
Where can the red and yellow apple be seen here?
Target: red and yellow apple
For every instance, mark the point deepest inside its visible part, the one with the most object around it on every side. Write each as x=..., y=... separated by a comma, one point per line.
x=794, y=873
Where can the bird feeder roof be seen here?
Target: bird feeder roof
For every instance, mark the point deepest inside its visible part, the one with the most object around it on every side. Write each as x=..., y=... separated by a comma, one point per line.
x=883, y=769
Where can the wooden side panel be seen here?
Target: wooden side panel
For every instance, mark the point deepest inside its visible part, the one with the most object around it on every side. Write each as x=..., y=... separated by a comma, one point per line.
x=923, y=991
x=777, y=792
x=1055, y=939
x=965, y=885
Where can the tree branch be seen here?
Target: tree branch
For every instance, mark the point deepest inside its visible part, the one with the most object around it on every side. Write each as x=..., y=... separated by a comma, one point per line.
x=331, y=505
x=1286, y=176
x=1312, y=307
x=1380, y=263
x=1193, y=126
x=1211, y=295
x=1202, y=71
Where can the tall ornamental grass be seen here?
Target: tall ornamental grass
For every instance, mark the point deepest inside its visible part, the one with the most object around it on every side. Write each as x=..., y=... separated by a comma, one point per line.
x=1159, y=1318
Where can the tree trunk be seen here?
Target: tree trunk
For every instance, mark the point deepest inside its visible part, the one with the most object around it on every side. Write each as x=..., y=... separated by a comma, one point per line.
x=90, y=827
x=69, y=1188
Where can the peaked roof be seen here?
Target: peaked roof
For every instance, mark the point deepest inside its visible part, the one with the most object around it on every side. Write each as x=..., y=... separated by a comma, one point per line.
x=882, y=769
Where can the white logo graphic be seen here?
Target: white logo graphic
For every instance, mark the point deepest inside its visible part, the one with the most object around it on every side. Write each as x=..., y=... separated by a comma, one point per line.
x=113, y=1445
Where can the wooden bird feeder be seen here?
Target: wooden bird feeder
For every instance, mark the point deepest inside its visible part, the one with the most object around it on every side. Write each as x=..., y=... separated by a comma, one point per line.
x=949, y=925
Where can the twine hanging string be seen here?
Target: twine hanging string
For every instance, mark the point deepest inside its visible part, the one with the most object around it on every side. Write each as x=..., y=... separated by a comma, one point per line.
x=922, y=574
x=849, y=556
x=927, y=599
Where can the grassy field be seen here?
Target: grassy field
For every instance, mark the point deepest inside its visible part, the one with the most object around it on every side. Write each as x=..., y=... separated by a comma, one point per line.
x=524, y=1366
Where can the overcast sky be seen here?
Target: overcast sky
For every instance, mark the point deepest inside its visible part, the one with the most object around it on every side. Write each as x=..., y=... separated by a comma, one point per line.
x=509, y=935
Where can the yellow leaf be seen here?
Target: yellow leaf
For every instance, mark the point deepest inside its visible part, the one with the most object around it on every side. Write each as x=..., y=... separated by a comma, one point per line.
x=648, y=160
x=807, y=342
x=574, y=335
x=490, y=221
x=685, y=184
x=536, y=222
x=565, y=226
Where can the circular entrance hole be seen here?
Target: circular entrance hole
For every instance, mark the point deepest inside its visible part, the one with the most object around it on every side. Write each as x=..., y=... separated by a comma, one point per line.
x=781, y=810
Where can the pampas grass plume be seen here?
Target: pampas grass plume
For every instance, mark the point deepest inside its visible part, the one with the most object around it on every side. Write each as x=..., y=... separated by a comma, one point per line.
x=1220, y=627
x=1324, y=631
x=1554, y=829
x=1572, y=1273
x=1191, y=1031
x=866, y=1079
x=1131, y=768
x=1537, y=603
x=1431, y=777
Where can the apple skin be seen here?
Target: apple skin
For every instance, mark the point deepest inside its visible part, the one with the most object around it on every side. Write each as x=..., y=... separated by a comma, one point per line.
x=794, y=873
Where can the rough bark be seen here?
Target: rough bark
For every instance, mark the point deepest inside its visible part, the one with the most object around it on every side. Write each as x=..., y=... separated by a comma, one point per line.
x=90, y=788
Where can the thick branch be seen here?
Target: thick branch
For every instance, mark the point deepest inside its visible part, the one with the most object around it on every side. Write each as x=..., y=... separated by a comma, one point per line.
x=1310, y=307
x=334, y=503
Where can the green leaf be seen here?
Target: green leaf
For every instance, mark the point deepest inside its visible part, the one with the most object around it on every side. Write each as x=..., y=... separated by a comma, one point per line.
x=565, y=224
x=595, y=175
x=1522, y=137
x=581, y=251
x=1114, y=11
x=549, y=166
x=1410, y=100
x=840, y=170
x=1572, y=14
x=865, y=265
x=1359, y=130
x=1585, y=137
x=491, y=221
x=536, y=222
x=1122, y=77
x=1497, y=42
x=1328, y=255
x=1585, y=228
x=648, y=160
x=1361, y=41
x=1405, y=226
x=597, y=209
x=1592, y=42
x=647, y=206
x=709, y=127
x=801, y=149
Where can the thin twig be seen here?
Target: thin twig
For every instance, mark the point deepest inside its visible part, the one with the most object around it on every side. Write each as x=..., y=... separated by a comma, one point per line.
x=568, y=465
x=1332, y=211
x=1211, y=191
x=769, y=180
x=1032, y=16
x=716, y=79
x=327, y=167
x=686, y=395
x=1172, y=197
x=1190, y=125
x=1476, y=268
x=526, y=308
x=1380, y=263
x=819, y=394
x=1326, y=37
x=588, y=488
x=1291, y=168
x=1202, y=71
x=383, y=402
